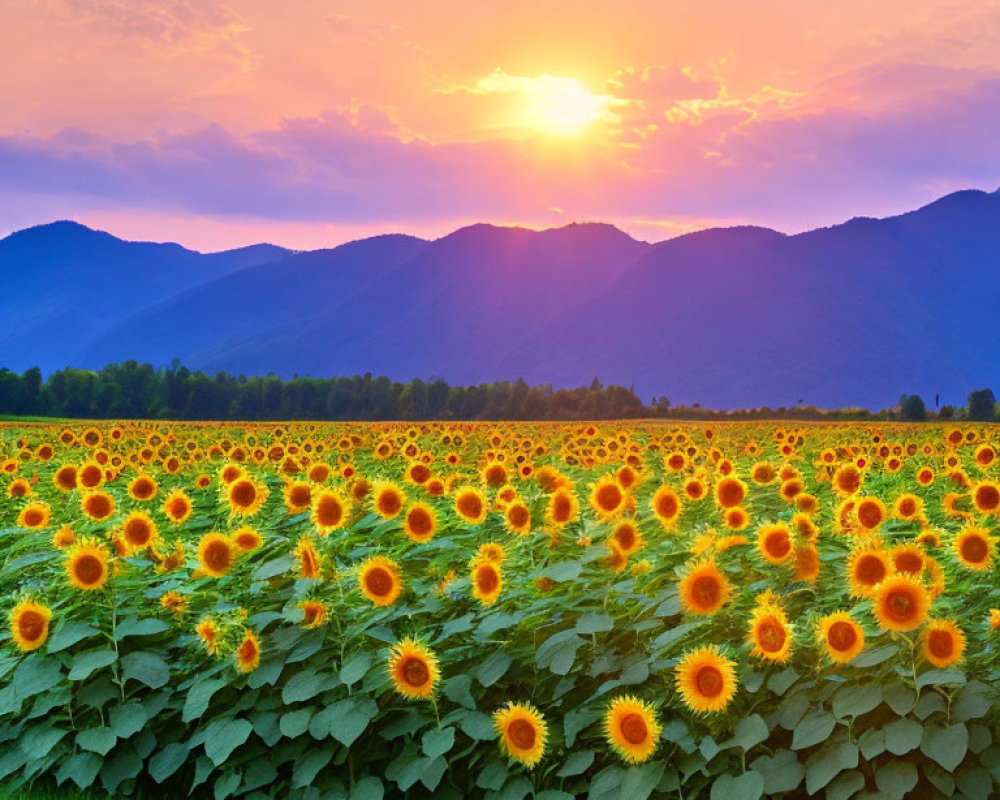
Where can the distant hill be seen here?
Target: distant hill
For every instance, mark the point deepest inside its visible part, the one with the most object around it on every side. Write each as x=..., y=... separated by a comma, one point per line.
x=65, y=284
x=853, y=314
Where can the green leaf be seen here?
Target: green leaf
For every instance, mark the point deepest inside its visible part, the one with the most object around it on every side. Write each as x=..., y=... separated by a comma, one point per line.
x=457, y=689
x=896, y=778
x=82, y=769
x=747, y=786
x=872, y=743
x=946, y=746
x=199, y=696
x=438, y=742
x=782, y=772
x=575, y=721
x=147, y=668
x=871, y=658
x=295, y=723
x=492, y=776
x=900, y=697
x=845, y=786
x=578, y=763
x=563, y=571
x=857, y=699
x=781, y=682
x=903, y=736
x=223, y=736
x=813, y=729
x=477, y=725
x=558, y=652
x=349, y=718
x=140, y=627
x=639, y=782
x=307, y=768
x=128, y=719
x=69, y=633
x=273, y=568
x=750, y=731
x=355, y=668
x=226, y=784
x=670, y=637
x=369, y=788
x=594, y=623
x=167, y=761
x=124, y=765
x=938, y=677
x=303, y=686
x=87, y=663
x=38, y=741
x=493, y=668
x=974, y=700
x=825, y=764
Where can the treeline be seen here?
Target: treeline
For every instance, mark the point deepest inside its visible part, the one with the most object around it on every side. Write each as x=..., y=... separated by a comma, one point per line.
x=139, y=391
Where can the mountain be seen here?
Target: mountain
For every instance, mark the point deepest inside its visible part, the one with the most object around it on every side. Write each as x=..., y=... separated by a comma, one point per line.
x=853, y=314
x=64, y=284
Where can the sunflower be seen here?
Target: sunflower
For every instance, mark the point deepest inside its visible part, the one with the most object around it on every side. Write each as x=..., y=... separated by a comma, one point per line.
x=870, y=513
x=19, y=487
x=170, y=561
x=666, y=507
x=380, y=581
x=413, y=669
x=774, y=542
x=925, y=476
x=942, y=643
x=65, y=478
x=763, y=473
x=248, y=652
x=517, y=518
x=329, y=511
x=522, y=731
x=841, y=636
x=298, y=497
x=246, y=539
x=246, y=496
x=90, y=476
x=313, y=613
x=986, y=497
x=626, y=534
x=563, y=507
x=908, y=557
x=908, y=507
x=730, y=492
x=492, y=551
x=867, y=566
x=706, y=679
x=704, y=589
x=607, y=497
x=34, y=516
x=142, y=488
x=87, y=564
x=487, y=581
x=631, y=728
x=994, y=619
x=387, y=499
x=974, y=548
x=319, y=472
x=29, y=624
x=420, y=522
x=99, y=506
x=138, y=532
x=310, y=564
x=174, y=601
x=806, y=562
x=215, y=554
x=470, y=505
x=770, y=635
x=208, y=631
x=178, y=507
x=847, y=480
x=64, y=537
x=900, y=603
x=736, y=518
x=494, y=475
x=418, y=473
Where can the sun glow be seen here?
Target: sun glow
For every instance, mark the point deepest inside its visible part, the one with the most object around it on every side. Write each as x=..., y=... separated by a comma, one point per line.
x=553, y=105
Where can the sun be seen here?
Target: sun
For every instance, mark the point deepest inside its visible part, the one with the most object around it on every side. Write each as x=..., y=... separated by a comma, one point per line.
x=554, y=105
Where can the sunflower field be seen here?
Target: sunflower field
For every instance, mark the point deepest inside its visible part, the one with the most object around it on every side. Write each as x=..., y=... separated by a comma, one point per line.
x=508, y=610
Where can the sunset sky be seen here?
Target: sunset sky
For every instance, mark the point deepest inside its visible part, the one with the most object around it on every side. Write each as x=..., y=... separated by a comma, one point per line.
x=218, y=124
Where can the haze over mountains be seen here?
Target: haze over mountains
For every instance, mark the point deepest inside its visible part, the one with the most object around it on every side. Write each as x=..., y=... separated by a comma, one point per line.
x=854, y=314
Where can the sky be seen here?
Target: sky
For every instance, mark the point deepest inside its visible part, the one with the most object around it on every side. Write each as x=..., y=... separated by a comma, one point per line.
x=306, y=124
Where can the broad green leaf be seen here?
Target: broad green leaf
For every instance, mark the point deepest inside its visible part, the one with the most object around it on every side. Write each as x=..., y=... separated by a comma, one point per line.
x=939, y=677
x=594, y=623
x=825, y=764
x=947, y=746
x=140, y=627
x=438, y=742
x=750, y=731
x=493, y=668
x=147, y=668
x=82, y=769
x=875, y=656
x=167, y=761
x=578, y=763
x=857, y=699
x=295, y=723
x=87, y=663
x=813, y=729
x=97, y=740
x=903, y=736
x=199, y=696
x=639, y=782
x=746, y=786
x=369, y=788
x=128, y=719
x=477, y=725
x=355, y=667
x=782, y=772
x=896, y=778
x=69, y=633
x=223, y=736
x=304, y=685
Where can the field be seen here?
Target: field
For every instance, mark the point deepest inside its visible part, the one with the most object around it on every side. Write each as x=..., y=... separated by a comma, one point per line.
x=504, y=610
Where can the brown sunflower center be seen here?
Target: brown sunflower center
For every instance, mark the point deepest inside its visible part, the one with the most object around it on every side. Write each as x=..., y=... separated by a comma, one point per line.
x=841, y=636
x=243, y=494
x=88, y=569
x=390, y=503
x=987, y=498
x=609, y=497
x=705, y=590
x=329, y=511
x=941, y=643
x=771, y=635
x=869, y=514
x=217, y=555
x=870, y=570
x=415, y=671
x=378, y=581
x=709, y=681
x=634, y=729
x=31, y=625
x=974, y=549
x=487, y=579
x=522, y=734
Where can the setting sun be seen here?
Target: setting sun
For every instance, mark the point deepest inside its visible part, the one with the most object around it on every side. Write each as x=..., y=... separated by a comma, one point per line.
x=554, y=105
